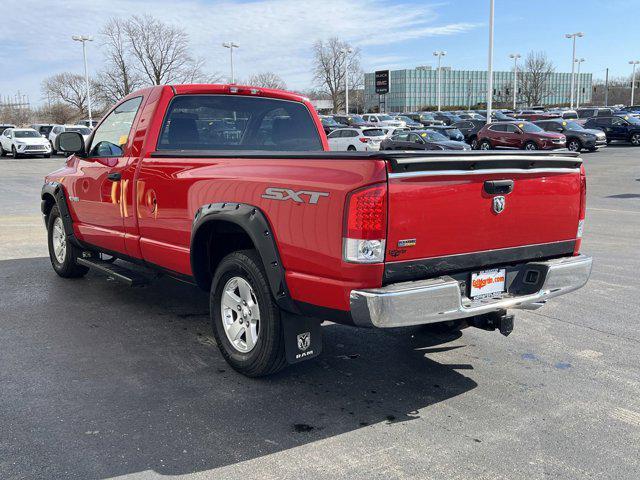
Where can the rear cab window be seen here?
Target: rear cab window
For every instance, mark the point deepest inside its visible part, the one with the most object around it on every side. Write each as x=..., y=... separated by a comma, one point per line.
x=235, y=122
x=373, y=132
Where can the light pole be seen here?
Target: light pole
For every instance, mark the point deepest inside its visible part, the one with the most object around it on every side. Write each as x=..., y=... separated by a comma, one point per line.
x=439, y=54
x=579, y=62
x=231, y=46
x=573, y=60
x=345, y=52
x=633, y=78
x=84, y=39
x=490, y=63
x=515, y=57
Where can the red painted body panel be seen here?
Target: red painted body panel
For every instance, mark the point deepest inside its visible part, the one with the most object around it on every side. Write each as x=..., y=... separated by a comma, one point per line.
x=149, y=214
x=451, y=214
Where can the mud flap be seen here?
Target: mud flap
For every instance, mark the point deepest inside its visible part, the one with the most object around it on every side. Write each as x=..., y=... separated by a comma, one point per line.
x=302, y=337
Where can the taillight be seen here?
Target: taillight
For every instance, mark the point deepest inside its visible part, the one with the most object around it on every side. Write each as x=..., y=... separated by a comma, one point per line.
x=365, y=225
x=583, y=210
x=364, y=139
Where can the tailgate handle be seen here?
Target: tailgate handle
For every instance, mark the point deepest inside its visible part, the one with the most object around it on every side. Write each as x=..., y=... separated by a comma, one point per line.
x=498, y=187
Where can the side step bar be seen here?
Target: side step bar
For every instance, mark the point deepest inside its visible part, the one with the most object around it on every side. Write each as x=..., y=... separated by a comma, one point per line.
x=120, y=273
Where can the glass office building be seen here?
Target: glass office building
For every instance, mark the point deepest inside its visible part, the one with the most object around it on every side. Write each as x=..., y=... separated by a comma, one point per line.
x=415, y=89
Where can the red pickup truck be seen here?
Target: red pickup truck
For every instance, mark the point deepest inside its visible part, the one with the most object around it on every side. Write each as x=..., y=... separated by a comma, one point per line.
x=232, y=188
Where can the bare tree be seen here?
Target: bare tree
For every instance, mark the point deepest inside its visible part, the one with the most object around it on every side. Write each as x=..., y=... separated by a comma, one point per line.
x=68, y=88
x=119, y=77
x=161, y=51
x=267, y=80
x=534, y=79
x=16, y=115
x=329, y=68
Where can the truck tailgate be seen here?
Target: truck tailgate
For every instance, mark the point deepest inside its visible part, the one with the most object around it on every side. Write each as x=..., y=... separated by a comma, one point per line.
x=476, y=210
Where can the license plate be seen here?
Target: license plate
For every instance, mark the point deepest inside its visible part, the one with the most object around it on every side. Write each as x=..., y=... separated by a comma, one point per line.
x=487, y=283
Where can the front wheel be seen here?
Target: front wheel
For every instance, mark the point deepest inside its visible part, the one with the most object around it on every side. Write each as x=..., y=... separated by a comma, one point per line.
x=351, y=148
x=63, y=255
x=3, y=152
x=245, y=318
x=530, y=146
x=635, y=139
x=574, y=145
x=14, y=152
x=485, y=145
x=474, y=143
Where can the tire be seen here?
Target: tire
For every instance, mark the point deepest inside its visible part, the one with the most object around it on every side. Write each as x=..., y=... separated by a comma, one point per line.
x=635, y=139
x=474, y=143
x=485, y=145
x=64, y=265
x=3, y=152
x=530, y=146
x=574, y=145
x=258, y=350
x=351, y=148
x=14, y=152
x=53, y=150
x=47, y=155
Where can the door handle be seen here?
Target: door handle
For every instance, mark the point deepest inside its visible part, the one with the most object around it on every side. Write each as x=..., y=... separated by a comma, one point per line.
x=114, y=177
x=498, y=187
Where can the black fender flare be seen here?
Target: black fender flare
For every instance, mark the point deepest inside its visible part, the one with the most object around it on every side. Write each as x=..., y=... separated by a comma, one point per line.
x=255, y=224
x=56, y=191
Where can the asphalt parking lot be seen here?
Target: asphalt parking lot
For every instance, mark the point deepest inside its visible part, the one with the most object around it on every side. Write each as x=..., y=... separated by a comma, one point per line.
x=101, y=381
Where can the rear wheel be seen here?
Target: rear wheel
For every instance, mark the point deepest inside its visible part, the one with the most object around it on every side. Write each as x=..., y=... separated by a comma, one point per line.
x=530, y=146
x=574, y=145
x=53, y=150
x=485, y=145
x=635, y=139
x=62, y=254
x=3, y=152
x=245, y=318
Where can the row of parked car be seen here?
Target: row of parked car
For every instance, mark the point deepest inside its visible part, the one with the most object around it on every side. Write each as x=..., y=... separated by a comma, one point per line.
x=587, y=128
x=37, y=140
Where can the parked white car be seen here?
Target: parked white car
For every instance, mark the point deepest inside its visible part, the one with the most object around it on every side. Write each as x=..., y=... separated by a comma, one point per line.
x=24, y=142
x=382, y=119
x=58, y=129
x=391, y=131
x=356, y=139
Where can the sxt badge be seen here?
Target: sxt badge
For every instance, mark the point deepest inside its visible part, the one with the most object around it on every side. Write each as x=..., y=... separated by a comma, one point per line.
x=273, y=193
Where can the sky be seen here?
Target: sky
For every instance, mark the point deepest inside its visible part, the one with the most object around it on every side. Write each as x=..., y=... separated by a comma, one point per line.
x=277, y=35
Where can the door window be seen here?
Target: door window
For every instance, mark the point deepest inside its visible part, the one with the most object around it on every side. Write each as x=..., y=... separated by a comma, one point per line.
x=112, y=135
x=511, y=128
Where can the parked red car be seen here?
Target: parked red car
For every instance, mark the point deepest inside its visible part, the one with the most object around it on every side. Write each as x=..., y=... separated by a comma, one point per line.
x=522, y=135
x=232, y=188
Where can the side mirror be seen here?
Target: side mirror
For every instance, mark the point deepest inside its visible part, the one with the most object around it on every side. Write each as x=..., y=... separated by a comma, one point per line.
x=71, y=142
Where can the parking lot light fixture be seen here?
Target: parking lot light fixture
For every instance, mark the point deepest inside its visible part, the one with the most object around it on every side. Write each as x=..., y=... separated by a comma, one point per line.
x=231, y=46
x=633, y=78
x=346, y=52
x=515, y=57
x=439, y=54
x=84, y=39
x=490, y=62
x=573, y=61
x=578, y=61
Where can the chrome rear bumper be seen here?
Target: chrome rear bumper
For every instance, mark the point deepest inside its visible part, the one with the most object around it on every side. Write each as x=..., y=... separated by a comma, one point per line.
x=440, y=299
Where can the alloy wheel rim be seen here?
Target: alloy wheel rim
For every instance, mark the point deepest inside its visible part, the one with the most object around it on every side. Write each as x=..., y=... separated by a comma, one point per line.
x=484, y=146
x=573, y=146
x=635, y=139
x=530, y=146
x=59, y=240
x=240, y=314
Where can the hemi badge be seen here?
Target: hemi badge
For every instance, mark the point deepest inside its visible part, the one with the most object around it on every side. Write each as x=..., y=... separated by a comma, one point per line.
x=409, y=242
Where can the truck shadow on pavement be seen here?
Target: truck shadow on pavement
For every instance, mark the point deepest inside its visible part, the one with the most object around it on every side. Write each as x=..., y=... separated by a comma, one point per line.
x=100, y=380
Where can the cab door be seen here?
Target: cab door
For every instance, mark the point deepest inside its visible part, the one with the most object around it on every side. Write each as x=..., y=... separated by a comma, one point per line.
x=512, y=136
x=619, y=128
x=96, y=193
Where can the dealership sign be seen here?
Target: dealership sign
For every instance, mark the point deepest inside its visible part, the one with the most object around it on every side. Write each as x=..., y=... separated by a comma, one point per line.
x=382, y=82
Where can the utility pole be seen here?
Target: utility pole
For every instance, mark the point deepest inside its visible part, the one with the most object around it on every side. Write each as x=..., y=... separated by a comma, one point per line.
x=346, y=52
x=573, y=60
x=231, y=46
x=490, y=63
x=515, y=57
x=469, y=94
x=439, y=54
x=633, y=78
x=579, y=62
x=84, y=39
x=606, y=88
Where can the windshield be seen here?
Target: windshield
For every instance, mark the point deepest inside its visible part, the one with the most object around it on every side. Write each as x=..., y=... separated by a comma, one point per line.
x=572, y=126
x=404, y=119
x=384, y=118
x=355, y=119
x=630, y=119
x=434, y=136
x=80, y=130
x=427, y=116
x=26, y=134
x=454, y=132
x=373, y=132
x=329, y=122
x=530, y=127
